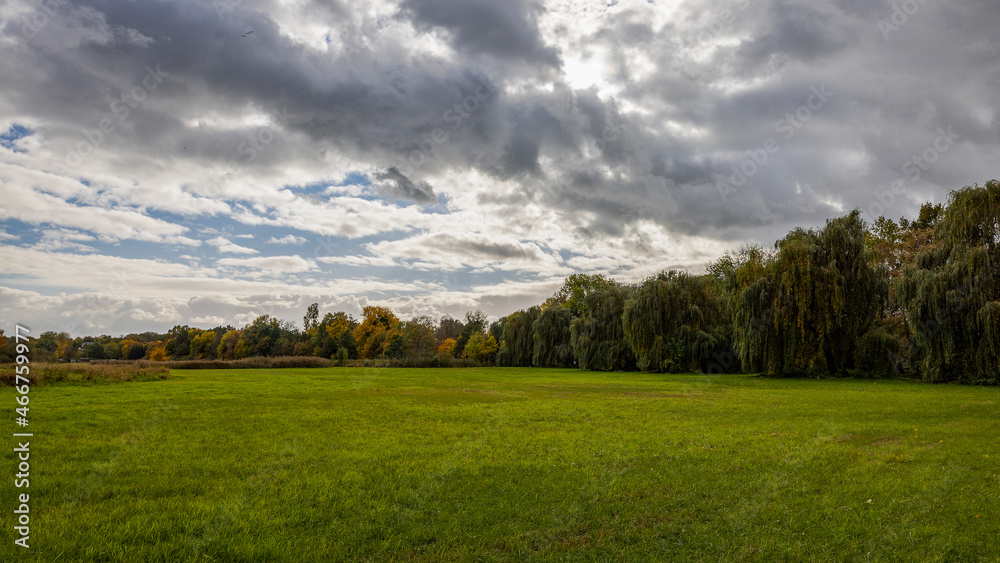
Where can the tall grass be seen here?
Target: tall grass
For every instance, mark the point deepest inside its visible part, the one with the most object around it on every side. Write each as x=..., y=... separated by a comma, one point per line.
x=261, y=362
x=48, y=373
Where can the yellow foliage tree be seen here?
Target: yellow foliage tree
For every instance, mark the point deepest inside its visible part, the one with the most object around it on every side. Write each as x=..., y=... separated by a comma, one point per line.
x=227, y=346
x=157, y=351
x=371, y=334
x=447, y=348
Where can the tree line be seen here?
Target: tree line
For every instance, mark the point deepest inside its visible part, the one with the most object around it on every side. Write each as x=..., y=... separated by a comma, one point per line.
x=917, y=298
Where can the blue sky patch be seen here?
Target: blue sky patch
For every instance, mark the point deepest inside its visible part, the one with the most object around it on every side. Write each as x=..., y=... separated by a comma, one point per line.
x=15, y=132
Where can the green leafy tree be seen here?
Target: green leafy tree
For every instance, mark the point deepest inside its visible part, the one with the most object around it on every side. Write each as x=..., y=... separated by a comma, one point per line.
x=810, y=306
x=311, y=318
x=45, y=347
x=575, y=290
x=598, y=335
x=395, y=345
x=952, y=293
x=95, y=351
x=265, y=336
x=475, y=322
x=517, y=342
x=482, y=348
x=676, y=322
x=347, y=347
x=550, y=332
x=178, y=343
x=418, y=338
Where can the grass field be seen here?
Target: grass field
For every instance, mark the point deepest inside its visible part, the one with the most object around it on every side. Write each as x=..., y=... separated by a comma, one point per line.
x=507, y=465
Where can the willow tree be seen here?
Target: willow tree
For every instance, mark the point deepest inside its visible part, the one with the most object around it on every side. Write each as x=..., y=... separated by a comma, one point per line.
x=517, y=343
x=952, y=294
x=863, y=290
x=756, y=337
x=598, y=336
x=807, y=309
x=550, y=333
x=676, y=322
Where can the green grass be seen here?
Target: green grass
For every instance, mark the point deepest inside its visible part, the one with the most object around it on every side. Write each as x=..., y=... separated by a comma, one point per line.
x=507, y=465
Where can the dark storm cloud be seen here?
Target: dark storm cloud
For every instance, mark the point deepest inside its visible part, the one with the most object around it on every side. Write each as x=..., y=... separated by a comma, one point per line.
x=399, y=186
x=505, y=30
x=719, y=83
x=479, y=248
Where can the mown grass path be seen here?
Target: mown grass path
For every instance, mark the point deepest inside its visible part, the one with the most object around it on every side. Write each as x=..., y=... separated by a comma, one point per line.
x=507, y=465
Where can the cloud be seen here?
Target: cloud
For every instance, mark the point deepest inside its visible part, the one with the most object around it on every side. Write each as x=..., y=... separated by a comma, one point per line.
x=116, y=223
x=396, y=185
x=225, y=246
x=277, y=264
x=287, y=239
x=536, y=139
x=504, y=30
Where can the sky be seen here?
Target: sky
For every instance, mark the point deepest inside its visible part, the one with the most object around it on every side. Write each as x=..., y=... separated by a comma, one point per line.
x=206, y=162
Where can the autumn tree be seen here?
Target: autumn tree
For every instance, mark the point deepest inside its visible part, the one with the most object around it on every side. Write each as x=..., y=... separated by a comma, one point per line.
x=447, y=328
x=373, y=333
x=227, y=345
x=65, y=347
x=157, y=351
x=202, y=344
x=447, y=349
x=327, y=333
